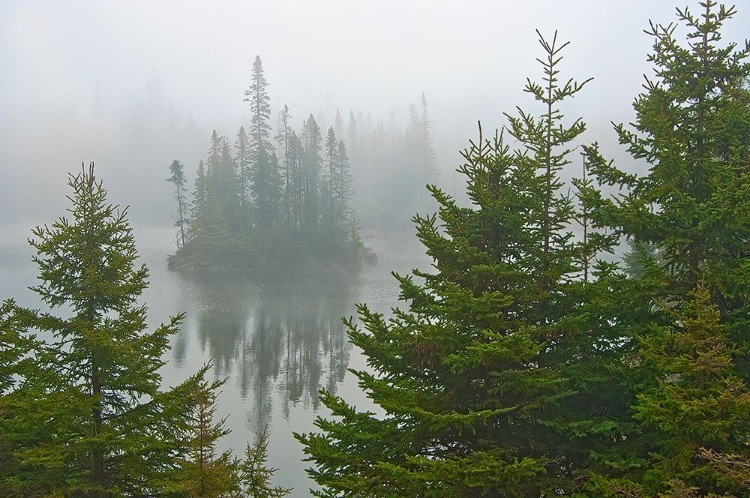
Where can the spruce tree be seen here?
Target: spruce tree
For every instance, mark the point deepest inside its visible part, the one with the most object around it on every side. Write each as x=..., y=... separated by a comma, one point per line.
x=699, y=403
x=203, y=472
x=24, y=409
x=475, y=379
x=177, y=178
x=254, y=473
x=116, y=431
x=283, y=137
x=242, y=160
x=265, y=182
x=684, y=312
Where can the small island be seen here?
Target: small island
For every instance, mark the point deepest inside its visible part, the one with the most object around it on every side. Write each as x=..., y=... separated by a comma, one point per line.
x=254, y=209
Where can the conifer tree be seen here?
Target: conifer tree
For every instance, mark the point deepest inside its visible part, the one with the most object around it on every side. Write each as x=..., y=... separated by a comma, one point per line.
x=242, y=160
x=312, y=162
x=23, y=413
x=283, y=138
x=428, y=151
x=342, y=183
x=264, y=175
x=684, y=312
x=699, y=404
x=255, y=475
x=116, y=431
x=328, y=180
x=203, y=472
x=475, y=378
x=177, y=178
x=199, y=189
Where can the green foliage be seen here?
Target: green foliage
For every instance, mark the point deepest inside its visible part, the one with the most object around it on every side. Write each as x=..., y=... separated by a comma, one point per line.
x=697, y=403
x=255, y=475
x=480, y=391
x=203, y=473
x=177, y=178
x=687, y=300
x=104, y=425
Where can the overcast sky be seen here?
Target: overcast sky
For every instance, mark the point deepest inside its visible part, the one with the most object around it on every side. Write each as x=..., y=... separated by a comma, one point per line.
x=470, y=58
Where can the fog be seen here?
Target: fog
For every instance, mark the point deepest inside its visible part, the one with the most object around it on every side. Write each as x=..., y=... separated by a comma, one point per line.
x=133, y=85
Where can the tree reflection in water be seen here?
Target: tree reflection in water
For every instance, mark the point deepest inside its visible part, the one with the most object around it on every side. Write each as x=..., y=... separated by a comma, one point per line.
x=281, y=340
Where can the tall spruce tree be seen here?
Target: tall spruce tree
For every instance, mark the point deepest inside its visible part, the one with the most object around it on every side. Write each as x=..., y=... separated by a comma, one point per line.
x=265, y=181
x=312, y=165
x=475, y=378
x=254, y=473
x=203, y=472
x=116, y=432
x=327, y=182
x=177, y=178
x=242, y=157
x=686, y=312
x=283, y=137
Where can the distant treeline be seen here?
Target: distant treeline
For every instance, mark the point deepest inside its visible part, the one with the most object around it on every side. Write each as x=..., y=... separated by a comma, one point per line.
x=251, y=208
x=263, y=201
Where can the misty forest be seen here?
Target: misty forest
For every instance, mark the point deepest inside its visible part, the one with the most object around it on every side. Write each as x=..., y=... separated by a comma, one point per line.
x=568, y=321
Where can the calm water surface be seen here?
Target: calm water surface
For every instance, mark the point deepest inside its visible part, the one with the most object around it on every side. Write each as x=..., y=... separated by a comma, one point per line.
x=276, y=341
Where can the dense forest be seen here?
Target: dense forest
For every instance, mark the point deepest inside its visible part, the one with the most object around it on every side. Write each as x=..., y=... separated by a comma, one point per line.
x=530, y=361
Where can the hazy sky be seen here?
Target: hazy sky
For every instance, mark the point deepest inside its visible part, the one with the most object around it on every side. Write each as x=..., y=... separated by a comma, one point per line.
x=470, y=58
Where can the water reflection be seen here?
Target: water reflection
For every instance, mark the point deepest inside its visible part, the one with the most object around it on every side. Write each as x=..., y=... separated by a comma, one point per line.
x=280, y=340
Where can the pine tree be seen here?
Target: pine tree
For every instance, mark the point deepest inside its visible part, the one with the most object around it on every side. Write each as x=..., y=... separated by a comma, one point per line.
x=23, y=411
x=328, y=179
x=283, y=138
x=698, y=404
x=177, y=178
x=684, y=311
x=342, y=183
x=264, y=175
x=242, y=160
x=115, y=430
x=475, y=378
x=310, y=201
x=692, y=128
x=428, y=151
x=199, y=189
x=255, y=475
x=204, y=473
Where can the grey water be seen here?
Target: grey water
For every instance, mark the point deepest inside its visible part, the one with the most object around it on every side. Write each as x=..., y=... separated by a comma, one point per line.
x=275, y=341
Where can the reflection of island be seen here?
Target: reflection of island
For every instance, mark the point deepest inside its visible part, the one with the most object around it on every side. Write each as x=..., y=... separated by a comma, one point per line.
x=279, y=340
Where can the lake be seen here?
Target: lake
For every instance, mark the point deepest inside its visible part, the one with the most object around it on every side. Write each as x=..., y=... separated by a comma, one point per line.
x=277, y=342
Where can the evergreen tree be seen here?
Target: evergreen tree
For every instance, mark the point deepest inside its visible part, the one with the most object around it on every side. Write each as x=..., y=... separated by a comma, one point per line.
x=338, y=124
x=23, y=407
x=698, y=404
x=177, y=178
x=476, y=378
x=352, y=131
x=204, y=473
x=310, y=202
x=264, y=175
x=199, y=189
x=428, y=151
x=685, y=314
x=283, y=138
x=115, y=431
x=255, y=475
x=328, y=179
x=296, y=181
x=342, y=183
x=242, y=160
